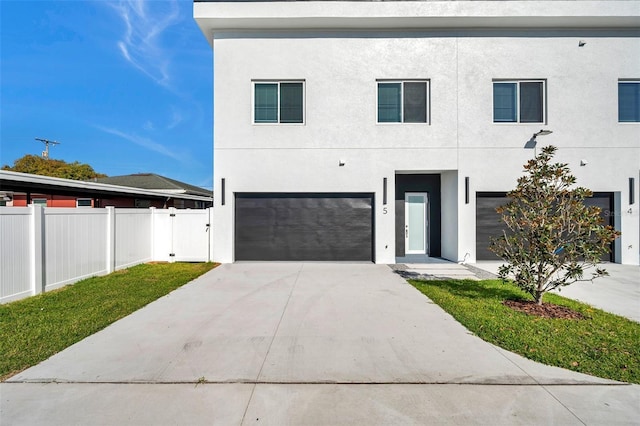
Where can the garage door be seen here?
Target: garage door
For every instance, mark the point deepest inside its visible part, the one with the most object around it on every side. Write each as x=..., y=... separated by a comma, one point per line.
x=303, y=226
x=489, y=223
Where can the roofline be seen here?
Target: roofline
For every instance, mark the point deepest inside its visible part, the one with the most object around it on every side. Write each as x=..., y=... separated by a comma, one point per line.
x=54, y=182
x=213, y=16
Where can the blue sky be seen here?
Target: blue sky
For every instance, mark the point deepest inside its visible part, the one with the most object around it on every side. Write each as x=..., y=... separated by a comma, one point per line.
x=125, y=86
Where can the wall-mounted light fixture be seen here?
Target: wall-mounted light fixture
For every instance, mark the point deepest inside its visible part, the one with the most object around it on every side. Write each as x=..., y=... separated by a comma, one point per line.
x=341, y=162
x=583, y=162
x=542, y=132
x=581, y=43
x=384, y=191
x=531, y=143
x=222, y=192
x=466, y=190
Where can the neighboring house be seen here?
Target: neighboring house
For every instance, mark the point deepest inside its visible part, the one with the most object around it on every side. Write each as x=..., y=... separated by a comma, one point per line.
x=21, y=189
x=388, y=131
x=164, y=184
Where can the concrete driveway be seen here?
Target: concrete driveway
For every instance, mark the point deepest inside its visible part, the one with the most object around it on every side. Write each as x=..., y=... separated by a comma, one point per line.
x=302, y=343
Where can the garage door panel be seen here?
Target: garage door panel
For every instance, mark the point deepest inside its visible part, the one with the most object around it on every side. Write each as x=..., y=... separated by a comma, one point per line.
x=304, y=226
x=489, y=223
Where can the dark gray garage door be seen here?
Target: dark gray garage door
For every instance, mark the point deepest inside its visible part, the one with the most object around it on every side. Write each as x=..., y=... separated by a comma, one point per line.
x=489, y=224
x=303, y=226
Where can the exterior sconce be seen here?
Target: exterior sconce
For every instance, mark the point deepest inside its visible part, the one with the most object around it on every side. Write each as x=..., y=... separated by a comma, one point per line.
x=466, y=190
x=542, y=132
x=222, y=192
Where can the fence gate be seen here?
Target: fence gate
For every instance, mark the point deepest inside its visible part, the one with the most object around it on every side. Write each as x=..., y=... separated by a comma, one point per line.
x=182, y=235
x=190, y=239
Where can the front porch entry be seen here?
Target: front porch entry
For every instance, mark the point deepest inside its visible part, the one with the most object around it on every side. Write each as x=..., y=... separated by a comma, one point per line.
x=417, y=207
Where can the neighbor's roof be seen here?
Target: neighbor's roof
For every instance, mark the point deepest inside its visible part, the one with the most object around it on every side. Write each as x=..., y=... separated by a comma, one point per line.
x=22, y=182
x=155, y=182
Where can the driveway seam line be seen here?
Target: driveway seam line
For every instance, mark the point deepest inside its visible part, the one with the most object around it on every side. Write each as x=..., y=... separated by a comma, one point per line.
x=275, y=382
x=271, y=343
x=538, y=384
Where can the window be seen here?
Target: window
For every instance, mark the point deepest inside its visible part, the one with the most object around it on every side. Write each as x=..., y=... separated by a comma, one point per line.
x=519, y=101
x=278, y=102
x=83, y=202
x=629, y=101
x=141, y=203
x=403, y=101
x=39, y=201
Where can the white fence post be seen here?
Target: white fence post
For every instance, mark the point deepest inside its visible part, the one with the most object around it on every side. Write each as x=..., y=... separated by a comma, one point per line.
x=111, y=239
x=38, y=271
x=172, y=226
x=210, y=214
x=152, y=224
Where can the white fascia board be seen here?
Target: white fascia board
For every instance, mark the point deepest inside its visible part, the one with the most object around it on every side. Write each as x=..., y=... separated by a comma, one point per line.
x=362, y=15
x=10, y=176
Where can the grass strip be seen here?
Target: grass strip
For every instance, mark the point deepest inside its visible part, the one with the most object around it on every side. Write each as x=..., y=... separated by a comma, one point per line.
x=603, y=345
x=33, y=329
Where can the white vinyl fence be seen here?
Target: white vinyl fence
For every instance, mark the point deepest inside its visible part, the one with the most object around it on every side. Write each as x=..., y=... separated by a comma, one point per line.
x=42, y=248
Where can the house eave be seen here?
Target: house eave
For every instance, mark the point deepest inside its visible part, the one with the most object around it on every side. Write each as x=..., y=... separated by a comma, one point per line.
x=419, y=15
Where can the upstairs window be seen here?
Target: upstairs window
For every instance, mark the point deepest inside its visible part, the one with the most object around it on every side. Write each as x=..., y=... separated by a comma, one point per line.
x=403, y=101
x=519, y=101
x=278, y=102
x=629, y=101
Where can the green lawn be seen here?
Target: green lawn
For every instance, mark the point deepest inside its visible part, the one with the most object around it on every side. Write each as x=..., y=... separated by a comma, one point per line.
x=33, y=329
x=603, y=345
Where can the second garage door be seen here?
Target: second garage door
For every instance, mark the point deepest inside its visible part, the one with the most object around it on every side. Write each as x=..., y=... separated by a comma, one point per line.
x=304, y=226
x=489, y=223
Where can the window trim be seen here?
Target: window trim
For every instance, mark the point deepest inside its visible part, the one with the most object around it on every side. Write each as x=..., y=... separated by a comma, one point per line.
x=625, y=81
x=401, y=82
x=517, y=82
x=90, y=200
x=278, y=82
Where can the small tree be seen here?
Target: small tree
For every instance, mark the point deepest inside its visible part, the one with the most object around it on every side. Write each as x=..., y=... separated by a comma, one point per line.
x=552, y=237
x=54, y=168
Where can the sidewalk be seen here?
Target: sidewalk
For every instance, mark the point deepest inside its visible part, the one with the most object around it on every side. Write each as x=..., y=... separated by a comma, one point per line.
x=302, y=343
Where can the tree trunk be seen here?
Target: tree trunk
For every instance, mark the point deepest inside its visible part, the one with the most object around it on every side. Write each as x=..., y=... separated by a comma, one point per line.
x=538, y=297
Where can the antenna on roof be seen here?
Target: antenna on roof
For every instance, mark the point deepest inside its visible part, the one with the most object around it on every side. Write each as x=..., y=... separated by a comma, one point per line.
x=47, y=142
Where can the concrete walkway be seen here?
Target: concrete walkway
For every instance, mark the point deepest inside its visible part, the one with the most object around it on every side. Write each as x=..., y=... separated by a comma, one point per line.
x=302, y=343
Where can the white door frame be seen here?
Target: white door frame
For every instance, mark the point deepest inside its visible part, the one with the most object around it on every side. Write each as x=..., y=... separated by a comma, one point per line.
x=423, y=248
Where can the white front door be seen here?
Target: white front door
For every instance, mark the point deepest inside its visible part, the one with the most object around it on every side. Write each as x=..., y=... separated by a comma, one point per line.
x=415, y=223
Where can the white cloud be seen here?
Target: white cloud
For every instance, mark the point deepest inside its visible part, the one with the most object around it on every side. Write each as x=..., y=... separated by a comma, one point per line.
x=141, y=44
x=143, y=142
x=176, y=118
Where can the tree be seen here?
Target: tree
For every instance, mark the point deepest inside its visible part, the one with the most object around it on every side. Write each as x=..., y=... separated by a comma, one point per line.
x=55, y=168
x=552, y=237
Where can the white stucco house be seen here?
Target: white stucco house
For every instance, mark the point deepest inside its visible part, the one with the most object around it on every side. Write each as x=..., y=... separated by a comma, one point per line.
x=389, y=130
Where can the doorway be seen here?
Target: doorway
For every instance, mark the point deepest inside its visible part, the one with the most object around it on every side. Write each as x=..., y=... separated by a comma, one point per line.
x=416, y=227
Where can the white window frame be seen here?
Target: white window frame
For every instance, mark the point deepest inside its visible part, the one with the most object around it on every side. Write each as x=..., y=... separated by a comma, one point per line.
x=278, y=82
x=624, y=81
x=402, y=81
x=90, y=200
x=517, y=82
